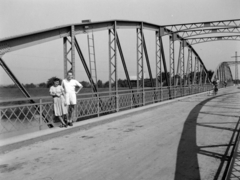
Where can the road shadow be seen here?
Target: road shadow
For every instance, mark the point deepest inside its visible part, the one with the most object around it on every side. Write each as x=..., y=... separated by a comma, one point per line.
x=187, y=165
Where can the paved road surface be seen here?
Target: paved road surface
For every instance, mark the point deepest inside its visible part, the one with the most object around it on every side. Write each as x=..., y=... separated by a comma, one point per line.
x=188, y=139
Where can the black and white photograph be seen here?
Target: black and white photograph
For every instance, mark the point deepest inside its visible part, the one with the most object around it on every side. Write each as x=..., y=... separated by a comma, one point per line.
x=119, y=89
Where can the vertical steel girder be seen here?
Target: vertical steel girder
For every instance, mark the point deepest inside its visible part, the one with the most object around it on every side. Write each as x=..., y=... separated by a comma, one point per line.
x=189, y=67
x=172, y=60
x=140, y=65
x=236, y=65
x=158, y=61
x=200, y=75
x=205, y=79
x=66, y=52
x=181, y=64
x=196, y=70
x=73, y=51
x=65, y=58
x=113, y=79
x=172, y=38
x=178, y=76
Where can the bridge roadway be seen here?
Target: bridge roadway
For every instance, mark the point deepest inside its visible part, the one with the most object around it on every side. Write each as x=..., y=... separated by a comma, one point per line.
x=189, y=139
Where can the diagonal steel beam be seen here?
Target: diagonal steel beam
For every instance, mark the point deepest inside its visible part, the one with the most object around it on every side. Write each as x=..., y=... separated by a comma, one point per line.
x=22, y=89
x=123, y=61
x=147, y=60
x=85, y=65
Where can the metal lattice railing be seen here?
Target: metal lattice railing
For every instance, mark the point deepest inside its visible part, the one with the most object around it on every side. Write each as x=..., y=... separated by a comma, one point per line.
x=25, y=115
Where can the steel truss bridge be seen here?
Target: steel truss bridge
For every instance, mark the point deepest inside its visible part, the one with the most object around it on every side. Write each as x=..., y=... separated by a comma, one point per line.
x=184, y=74
x=182, y=77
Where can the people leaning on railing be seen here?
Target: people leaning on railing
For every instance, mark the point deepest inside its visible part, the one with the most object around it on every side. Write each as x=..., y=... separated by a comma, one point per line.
x=60, y=108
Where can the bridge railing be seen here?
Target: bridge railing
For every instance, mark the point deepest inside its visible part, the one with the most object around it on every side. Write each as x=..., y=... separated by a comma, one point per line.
x=20, y=114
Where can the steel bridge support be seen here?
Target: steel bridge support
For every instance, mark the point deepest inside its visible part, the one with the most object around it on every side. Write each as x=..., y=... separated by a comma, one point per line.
x=189, y=68
x=200, y=75
x=172, y=38
x=181, y=65
x=205, y=78
x=160, y=60
x=113, y=78
x=140, y=65
x=69, y=63
x=196, y=70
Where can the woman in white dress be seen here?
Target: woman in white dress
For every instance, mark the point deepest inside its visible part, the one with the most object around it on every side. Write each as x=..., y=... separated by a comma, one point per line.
x=60, y=108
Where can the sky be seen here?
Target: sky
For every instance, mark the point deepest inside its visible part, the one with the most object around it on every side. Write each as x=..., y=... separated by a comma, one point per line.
x=38, y=63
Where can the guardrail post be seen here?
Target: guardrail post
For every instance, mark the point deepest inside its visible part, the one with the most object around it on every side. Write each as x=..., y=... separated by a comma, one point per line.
x=174, y=92
x=98, y=106
x=161, y=95
x=1, y=118
x=40, y=117
x=75, y=110
x=131, y=100
x=143, y=99
x=153, y=97
x=117, y=103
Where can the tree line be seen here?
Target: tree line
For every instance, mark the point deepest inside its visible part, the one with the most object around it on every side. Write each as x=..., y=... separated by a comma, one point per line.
x=121, y=82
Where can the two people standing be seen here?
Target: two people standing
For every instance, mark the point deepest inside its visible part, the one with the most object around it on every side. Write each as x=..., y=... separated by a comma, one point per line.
x=65, y=98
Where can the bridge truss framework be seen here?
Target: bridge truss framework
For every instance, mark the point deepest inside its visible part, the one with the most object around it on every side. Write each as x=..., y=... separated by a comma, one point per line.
x=183, y=75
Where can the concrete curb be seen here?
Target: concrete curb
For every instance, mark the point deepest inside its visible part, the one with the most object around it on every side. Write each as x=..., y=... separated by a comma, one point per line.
x=30, y=138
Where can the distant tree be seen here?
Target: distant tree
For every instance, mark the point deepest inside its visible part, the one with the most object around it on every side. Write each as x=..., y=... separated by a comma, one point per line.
x=125, y=82
x=85, y=84
x=11, y=86
x=31, y=85
x=121, y=83
x=50, y=81
x=100, y=84
x=106, y=84
x=43, y=85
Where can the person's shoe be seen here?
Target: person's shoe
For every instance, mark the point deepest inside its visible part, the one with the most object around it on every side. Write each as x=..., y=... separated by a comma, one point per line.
x=70, y=124
x=50, y=125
